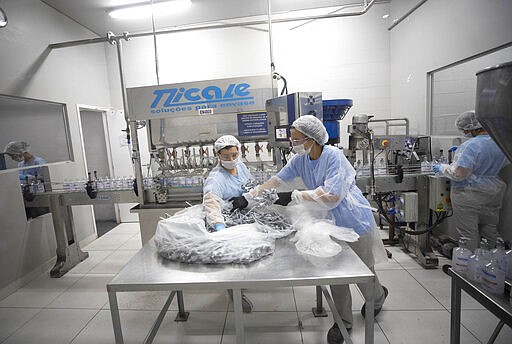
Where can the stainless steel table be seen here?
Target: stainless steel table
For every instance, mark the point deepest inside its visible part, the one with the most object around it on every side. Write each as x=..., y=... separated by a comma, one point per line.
x=499, y=305
x=147, y=271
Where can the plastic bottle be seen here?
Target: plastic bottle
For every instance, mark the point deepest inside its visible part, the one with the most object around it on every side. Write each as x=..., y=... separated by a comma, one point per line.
x=500, y=254
x=442, y=159
x=493, y=278
x=460, y=257
x=508, y=257
x=478, y=261
x=425, y=165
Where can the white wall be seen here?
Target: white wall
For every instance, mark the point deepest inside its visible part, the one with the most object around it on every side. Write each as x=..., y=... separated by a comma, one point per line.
x=70, y=75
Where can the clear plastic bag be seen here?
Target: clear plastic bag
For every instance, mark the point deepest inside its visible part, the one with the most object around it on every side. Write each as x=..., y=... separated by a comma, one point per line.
x=183, y=237
x=315, y=237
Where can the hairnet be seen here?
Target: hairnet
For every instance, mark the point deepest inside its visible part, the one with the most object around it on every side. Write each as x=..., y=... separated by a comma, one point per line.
x=312, y=127
x=467, y=121
x=226, y=141
x=17, y=147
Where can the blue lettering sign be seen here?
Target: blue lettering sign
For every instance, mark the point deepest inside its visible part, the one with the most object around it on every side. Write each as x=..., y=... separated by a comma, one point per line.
x=172, y=97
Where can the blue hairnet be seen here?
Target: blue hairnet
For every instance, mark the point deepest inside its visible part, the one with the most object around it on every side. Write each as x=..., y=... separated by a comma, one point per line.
x=226, y=141
x=16, y=147
x=467, y=121
x=312, y=127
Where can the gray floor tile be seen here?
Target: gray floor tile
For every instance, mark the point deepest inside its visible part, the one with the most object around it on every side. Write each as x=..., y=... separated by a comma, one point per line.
x=201, y=327
x=306, y=298
x=134, y=243
x=52, y=326
x=141, y=300
x=439, y=285
x=405, y=293
x=270, y=300
x=40, y=292
x=113, y=263
x=265, y=327
x=314, y=330
x=108, y=242
x=213, y=301
x=89, y=292
x=12, y=319
x=419, y=327
x=481, y=323
x=95, y=257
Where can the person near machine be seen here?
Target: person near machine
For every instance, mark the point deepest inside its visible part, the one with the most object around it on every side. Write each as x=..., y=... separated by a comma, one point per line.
x=19, y=151
x=224, y=182
x=330, y=180
x=476, y=188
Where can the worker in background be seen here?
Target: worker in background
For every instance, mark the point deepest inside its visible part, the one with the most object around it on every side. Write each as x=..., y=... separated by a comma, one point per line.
x=476, y=189
x=330, y=180
x=19, y=151
x=224, y=182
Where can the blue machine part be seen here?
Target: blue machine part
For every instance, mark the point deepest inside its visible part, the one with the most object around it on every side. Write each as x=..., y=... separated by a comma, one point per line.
x=335, y=110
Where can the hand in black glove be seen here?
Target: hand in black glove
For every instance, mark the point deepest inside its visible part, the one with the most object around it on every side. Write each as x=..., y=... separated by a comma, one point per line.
x=239, y=203
x=284, y=198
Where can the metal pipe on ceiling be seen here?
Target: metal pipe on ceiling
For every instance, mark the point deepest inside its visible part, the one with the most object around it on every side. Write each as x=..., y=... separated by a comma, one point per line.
x=206, y=26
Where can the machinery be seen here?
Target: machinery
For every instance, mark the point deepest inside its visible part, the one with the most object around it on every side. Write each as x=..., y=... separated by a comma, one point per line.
x=410, y=200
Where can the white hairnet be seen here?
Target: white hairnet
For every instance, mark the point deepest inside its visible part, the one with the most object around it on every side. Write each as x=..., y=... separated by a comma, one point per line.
x=312, y=127
x=467, y=121
x=226, y=141
x=17, y=147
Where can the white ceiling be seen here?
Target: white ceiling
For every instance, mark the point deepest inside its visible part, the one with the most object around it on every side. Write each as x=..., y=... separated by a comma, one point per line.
x=92, y=14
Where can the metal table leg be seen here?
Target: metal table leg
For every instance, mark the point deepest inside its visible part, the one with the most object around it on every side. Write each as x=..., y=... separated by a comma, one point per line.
x=239, y=320
x=369, y=314
x=337, y=316
x=114, y=313
x=455, y=313
x=319, y=311
x=182, y=315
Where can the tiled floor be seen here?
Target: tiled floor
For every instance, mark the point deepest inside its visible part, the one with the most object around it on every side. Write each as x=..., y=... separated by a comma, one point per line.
x=74, y=308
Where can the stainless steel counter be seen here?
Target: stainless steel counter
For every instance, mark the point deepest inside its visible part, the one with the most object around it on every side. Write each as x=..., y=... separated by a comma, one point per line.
x=147, y=271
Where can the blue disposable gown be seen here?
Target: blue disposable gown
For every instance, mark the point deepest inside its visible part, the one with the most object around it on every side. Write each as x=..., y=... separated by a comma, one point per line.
x=332, y=174
x=220, y=186
x=33, y=171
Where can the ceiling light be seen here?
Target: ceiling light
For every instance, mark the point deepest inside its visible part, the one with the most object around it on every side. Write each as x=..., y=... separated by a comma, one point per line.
x=145, y=10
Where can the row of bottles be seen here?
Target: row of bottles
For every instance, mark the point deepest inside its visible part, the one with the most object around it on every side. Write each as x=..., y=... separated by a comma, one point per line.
x=426, y=165
x=379, y=168
x=106, y=183
x=35, y=185
x=486, y=267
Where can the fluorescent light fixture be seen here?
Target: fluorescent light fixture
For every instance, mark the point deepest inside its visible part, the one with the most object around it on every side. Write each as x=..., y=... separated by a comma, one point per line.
x=145, y=10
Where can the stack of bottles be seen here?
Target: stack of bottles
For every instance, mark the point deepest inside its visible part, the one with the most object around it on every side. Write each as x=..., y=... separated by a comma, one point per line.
x=486, y=267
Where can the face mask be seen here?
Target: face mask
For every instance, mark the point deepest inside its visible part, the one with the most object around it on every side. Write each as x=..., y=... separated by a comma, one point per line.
x=300, y=150
x=468, y=135
x=229, y=164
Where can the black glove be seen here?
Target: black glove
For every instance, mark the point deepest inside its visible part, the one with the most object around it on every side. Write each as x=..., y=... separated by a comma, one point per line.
x=239, y=203
x=284, y=198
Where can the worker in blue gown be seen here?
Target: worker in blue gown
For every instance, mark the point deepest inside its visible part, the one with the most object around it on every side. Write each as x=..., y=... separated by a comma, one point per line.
x=330, y=182
x=224, y=182
x=476, y=189
x=19, y=151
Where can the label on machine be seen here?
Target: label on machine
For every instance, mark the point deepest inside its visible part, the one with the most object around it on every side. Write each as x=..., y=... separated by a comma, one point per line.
x=252, y=124
x=222, y=96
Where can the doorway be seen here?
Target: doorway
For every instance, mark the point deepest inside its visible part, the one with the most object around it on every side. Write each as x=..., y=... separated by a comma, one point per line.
x=97, y=158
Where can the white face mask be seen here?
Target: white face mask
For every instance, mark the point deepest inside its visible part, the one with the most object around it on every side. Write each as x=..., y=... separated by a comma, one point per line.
x=300, y=150
x=229, y=164
x=468, y=135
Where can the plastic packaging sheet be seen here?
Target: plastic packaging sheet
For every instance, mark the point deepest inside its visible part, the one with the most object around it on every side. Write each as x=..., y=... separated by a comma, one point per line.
x=183, y=237
x=315, y=237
